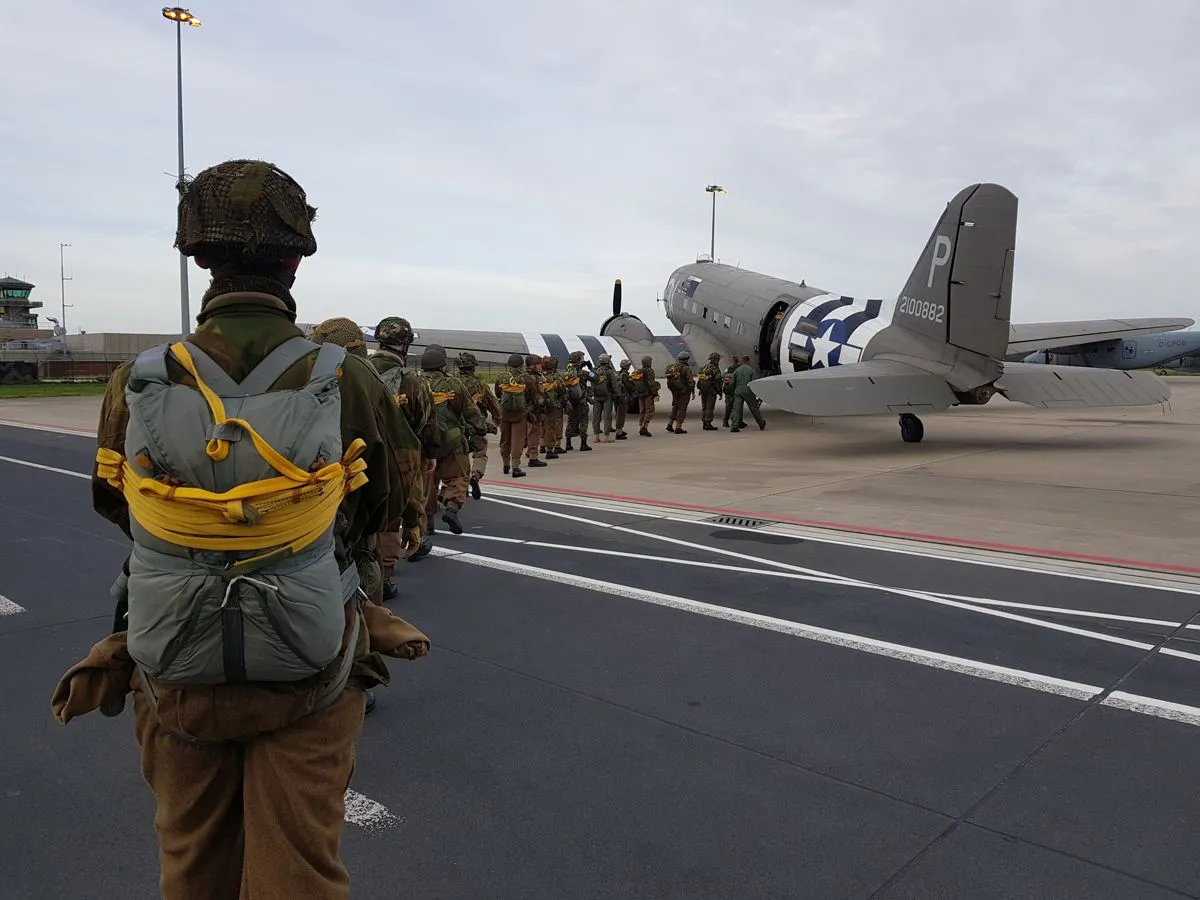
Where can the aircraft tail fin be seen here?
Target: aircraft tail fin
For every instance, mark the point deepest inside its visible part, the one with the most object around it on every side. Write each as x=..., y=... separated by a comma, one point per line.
x=960, y=291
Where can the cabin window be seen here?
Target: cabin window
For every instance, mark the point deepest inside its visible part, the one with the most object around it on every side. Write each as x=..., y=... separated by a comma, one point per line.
x=727, y=321
x=716, y=317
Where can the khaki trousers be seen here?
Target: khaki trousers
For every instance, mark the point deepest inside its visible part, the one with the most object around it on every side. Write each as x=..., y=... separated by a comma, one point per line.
x=647, y=415
x=453, y=472
x=259, y=820
x=512, y=440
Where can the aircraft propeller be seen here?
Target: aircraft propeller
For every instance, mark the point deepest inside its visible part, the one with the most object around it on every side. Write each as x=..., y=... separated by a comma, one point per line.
x=617, y=297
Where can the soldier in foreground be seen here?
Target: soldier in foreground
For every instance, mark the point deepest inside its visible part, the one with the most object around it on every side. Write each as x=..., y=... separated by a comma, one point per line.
x=743, y=396
x=514, y=391
x=578, y=385
x=458, y=421
x=646, y=384
x=606, y=386
x=628, y=398
x=555, y=401
x=485, y=401
x=682, y=386
x=247, y=724
x=709, y=383
x=394, y=336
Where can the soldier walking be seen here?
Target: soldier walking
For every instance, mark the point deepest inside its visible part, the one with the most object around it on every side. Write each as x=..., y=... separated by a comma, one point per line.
x=578, y=387
x=514, y=392
x=743, y=396
x=555, y=401
x=489, y=409
x=682, y=386
x=646, y=384
x=627, y=399
x=458, y=421
x=709, y=383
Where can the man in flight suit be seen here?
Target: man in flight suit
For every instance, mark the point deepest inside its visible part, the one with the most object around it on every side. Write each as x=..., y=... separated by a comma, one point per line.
x=743, y=396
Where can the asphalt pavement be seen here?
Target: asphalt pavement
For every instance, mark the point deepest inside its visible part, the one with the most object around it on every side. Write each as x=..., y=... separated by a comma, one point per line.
x=625, y=704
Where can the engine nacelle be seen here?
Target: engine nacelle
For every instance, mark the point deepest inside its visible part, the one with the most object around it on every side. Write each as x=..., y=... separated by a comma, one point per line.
x=626, y=326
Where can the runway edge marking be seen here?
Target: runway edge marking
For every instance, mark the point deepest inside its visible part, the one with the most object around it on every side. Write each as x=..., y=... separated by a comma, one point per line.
x=8, y=608
x=1049, y=684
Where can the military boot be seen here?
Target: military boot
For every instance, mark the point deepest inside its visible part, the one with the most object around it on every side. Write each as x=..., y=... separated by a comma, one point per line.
x=537, y=464
x=390, y=591
x=622, y=436
x=507, y=468
x=450, y=517
x=645, y=432
x=476, y=493
x=671, y=427
x=551, y=454
x=517, y=472
x=421, y=552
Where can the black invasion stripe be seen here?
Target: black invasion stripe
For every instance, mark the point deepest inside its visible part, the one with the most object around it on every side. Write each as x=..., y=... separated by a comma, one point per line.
x=675, y=345
x=557, y=347
x=871, y=312
x=594, y=348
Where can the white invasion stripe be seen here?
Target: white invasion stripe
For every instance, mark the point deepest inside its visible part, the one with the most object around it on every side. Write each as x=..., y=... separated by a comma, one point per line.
x=367, y=813
x=868, y=329
x=614, y=349
x=536, y=345
x=864, y=541
x=853, y=308
x=850, y=582
x=33, y=465
x=8, y=608
x=1033, y=680
x=1152, y=706
x=573, y=343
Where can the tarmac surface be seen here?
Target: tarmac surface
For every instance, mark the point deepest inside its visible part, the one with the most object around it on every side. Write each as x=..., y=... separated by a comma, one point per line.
x=632, y=700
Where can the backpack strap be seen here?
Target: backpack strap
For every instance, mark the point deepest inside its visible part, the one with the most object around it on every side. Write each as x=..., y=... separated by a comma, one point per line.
x=329, y=362
x=150, y=367
x=214, y=376
x=278, y=361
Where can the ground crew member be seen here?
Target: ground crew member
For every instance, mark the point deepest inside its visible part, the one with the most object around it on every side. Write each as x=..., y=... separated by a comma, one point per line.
x=249, y=764
x=537, y=410
x=489, y=408
x=709, y=383
x=629, y=400
x=555, y=400
x=458, y=421
x=682, y=385
x=514, y=391
x=646, y=384
x=578, y=384
x=394, y=336
x=727, y=389
x=744, y=396
x=606, y=387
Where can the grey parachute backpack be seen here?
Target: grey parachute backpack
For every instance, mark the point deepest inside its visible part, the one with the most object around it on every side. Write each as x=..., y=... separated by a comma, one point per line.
x=276, y=613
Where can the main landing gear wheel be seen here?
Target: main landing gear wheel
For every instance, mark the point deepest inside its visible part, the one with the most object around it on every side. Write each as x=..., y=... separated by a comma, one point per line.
x=911, y=428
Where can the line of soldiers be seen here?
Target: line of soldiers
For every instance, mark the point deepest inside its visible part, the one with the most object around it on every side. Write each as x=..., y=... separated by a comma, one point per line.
x=543, y=411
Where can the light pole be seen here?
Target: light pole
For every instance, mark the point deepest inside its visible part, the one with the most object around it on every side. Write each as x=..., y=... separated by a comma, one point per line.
x=714, y=189
x=181, y=17
x=62, y=280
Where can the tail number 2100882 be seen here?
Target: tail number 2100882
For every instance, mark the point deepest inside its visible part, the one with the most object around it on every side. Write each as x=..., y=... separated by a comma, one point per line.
x=922, y=309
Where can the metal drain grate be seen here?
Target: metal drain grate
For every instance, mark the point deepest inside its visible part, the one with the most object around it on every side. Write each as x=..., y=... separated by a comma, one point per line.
x=739, y=521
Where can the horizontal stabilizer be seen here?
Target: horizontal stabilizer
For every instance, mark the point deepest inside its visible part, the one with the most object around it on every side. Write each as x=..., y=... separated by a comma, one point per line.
x=1024, y=339
x=1065, y=387
x=871, y=388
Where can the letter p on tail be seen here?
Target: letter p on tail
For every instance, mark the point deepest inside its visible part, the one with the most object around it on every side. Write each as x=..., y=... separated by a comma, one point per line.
x=941, y=255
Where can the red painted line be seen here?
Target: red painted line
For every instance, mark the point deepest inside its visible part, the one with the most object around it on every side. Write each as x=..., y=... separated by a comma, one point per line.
x=884, y=532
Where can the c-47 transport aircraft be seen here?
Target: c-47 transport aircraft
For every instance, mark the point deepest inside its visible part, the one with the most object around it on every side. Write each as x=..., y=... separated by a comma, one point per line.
x=945, y=341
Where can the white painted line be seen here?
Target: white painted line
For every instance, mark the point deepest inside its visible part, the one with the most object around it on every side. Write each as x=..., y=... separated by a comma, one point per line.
x=53, y=429
x=1033, y=680
x=33, y=465
x=850, y=582
x=1152, y=706
x=1068, y=611
x=8, y=608
x=367, y=813
x=982, y=556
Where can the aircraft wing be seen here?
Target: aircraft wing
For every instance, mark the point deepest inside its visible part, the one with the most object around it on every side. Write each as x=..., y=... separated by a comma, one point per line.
x=874, y=387
x=1066, y=387
x=1024, y=339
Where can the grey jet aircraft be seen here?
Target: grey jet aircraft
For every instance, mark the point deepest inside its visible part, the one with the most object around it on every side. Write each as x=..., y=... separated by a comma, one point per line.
x=944, y=341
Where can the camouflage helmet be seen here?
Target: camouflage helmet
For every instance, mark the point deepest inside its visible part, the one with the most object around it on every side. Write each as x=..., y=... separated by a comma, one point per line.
x=605, y=358
x=625, y=364
x=394, y=332
x=647, y=360
x=516, y=361
x=576, y=356
x=247, y=208
x=714, y=357
x=434, y=357
x=550, y=362
x=684, y=356
x=343, y=332
x=532, y=360
x=466, y=360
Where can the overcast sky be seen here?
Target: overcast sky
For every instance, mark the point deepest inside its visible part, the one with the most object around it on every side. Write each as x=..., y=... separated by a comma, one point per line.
x=496, y=165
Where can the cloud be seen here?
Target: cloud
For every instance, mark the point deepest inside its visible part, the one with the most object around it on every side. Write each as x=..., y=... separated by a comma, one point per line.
x=488, y=166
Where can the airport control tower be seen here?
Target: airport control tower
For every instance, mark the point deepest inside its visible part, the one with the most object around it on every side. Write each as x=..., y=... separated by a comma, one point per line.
x=18, y=320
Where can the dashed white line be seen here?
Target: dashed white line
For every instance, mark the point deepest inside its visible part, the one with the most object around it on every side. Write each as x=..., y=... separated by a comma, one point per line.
x=8, y=608
x=367, y=813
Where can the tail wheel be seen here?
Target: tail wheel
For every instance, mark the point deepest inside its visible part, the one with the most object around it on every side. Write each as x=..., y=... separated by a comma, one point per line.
x=911, y=428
